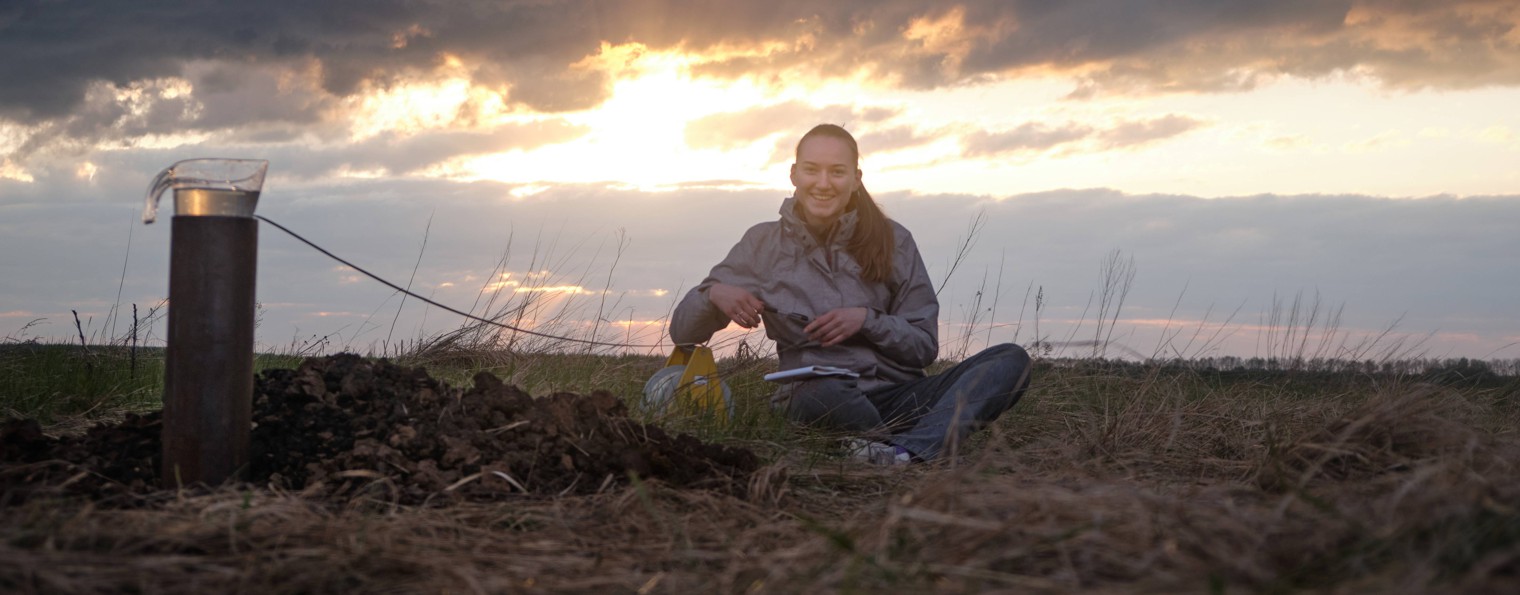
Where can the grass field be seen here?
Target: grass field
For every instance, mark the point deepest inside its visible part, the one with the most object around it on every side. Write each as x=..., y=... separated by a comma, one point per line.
x=1106, y=478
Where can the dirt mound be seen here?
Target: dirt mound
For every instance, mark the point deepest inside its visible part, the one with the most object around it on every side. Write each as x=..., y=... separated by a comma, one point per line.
x=341, y=427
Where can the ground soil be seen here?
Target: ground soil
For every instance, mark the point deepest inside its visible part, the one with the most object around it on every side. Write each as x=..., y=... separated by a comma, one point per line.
x=342, y=427
x=1096, y=482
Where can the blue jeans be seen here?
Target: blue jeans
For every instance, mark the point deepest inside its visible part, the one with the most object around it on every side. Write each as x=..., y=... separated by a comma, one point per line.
x=929, y=416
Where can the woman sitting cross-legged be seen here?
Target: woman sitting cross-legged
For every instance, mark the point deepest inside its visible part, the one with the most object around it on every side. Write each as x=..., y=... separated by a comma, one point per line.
x=837, y=283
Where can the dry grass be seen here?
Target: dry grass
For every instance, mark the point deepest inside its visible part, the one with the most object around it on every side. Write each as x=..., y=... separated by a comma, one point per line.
x=1157, y=483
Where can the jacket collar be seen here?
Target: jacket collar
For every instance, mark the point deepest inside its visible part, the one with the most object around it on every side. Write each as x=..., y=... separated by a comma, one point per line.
x=844, y=228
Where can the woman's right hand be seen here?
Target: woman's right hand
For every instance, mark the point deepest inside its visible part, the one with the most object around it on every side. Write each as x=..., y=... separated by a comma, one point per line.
x=737, y=303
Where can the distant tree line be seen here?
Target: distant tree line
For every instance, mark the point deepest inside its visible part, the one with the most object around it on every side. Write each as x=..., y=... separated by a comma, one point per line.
x=1435, y=369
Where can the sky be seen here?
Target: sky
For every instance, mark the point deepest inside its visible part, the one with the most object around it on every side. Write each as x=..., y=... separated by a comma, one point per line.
x=1130, y=178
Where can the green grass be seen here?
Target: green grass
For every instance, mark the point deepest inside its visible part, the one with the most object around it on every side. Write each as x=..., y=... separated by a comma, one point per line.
x=625, y=376
x=48, y=382
x=53, y=382
x=70, y=387
x=65, y=382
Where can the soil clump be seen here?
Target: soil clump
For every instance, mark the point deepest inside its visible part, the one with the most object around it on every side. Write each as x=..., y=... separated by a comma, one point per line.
x=342, y=427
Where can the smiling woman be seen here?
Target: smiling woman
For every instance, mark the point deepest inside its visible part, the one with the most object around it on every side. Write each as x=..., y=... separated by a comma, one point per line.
x=836, y=283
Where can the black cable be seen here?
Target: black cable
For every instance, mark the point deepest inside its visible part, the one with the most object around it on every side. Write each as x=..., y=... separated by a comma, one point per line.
x=464, y=314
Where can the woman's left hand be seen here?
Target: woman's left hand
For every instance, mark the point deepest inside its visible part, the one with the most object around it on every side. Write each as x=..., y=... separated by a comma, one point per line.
x=833, y=328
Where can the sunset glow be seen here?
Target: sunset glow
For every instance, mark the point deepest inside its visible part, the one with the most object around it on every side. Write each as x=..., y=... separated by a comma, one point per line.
x=637, y=135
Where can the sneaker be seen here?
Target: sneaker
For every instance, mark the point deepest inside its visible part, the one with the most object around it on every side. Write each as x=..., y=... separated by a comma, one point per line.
x=878, y=453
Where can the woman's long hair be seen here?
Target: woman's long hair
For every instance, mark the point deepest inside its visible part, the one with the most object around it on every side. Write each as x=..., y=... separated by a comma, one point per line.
x=873, y=243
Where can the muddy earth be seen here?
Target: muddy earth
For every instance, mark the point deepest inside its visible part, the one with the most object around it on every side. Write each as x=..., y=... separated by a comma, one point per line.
x=342, y=427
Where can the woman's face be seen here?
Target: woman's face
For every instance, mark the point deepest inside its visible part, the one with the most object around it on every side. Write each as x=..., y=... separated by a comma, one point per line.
x=825, y=176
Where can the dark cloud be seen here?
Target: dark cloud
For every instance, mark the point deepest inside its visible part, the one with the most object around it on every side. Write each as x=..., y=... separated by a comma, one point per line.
x=1400, y=43
x=57, y=49
x=286, y=63
x=121, y=176
x=1141, y=46
x=237, y=95
x=249, y=103
x=64, y=47
x=1439, y=263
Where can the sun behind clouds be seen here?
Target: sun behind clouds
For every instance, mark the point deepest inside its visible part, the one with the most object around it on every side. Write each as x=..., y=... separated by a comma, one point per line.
x=637, y=137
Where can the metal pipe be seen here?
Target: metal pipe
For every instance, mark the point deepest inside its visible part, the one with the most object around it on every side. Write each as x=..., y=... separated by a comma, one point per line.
x=208, y=377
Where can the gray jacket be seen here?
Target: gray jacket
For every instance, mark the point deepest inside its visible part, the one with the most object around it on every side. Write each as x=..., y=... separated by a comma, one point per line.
x=784, y=265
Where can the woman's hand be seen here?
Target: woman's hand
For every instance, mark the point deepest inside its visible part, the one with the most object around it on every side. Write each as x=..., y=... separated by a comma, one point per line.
x=737, y=303
x=833, y=328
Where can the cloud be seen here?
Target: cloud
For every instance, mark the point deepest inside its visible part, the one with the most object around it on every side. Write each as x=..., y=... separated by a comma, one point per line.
x=399, y=154
x=1398, y=43
x=1035, y=137
x=536, y=51
x=234, y=94
x=1290, y=142
x=83, y=73
x=1499, y=134
x=780, y=121
x=1030, y=136
x=1443, y=263
x=735, y=129
x=74, y=45
x=1383, y=141
x=1134, y=133
x=1149, y=47
x=894, y=139
x=1439, y=261
x=299, y=79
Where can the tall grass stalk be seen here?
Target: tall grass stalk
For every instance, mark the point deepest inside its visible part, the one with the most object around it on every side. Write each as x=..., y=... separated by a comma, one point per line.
x=546, y=296
x=997, y=296
x=622, y=244
x=1118, y=275
x=973, y=230
x=122, y=280
x=1303, y=334
x=426, y=232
